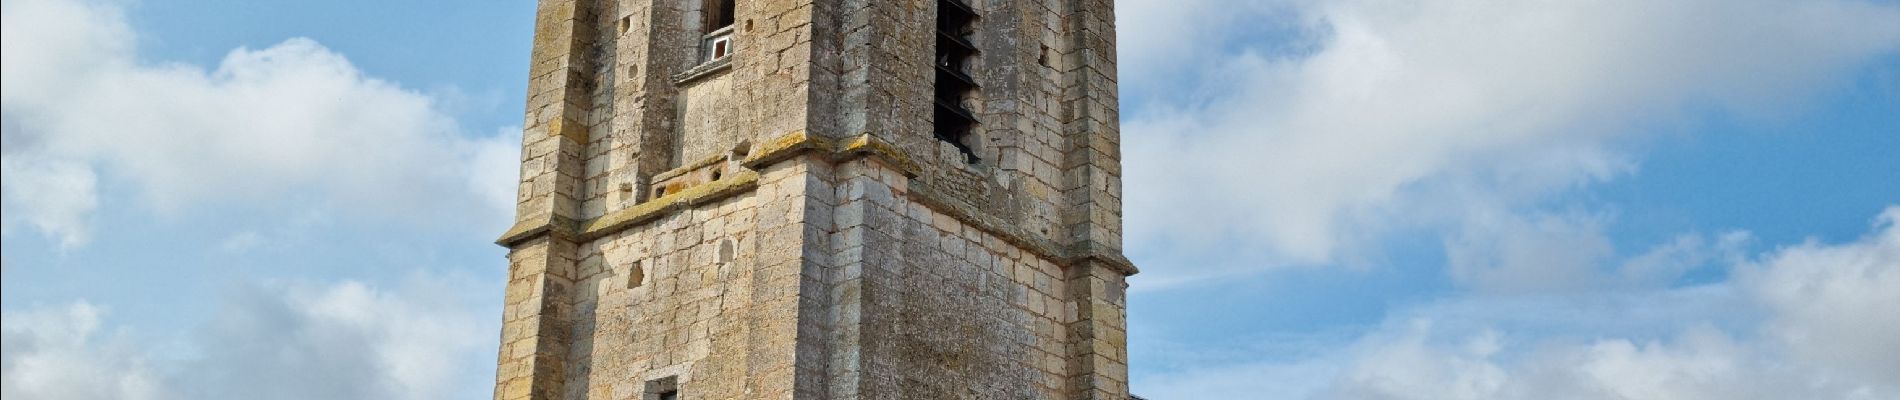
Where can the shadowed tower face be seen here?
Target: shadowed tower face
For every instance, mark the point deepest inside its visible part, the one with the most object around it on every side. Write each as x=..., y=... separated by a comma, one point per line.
x=818, y=199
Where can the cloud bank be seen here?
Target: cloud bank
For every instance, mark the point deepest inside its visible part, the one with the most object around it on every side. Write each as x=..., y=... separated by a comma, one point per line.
x=1271, y=134
x=58, y=353
x=288, y=126
x=1462, y=116
x=280, y=341
x=289, y=136
x=1812, y=321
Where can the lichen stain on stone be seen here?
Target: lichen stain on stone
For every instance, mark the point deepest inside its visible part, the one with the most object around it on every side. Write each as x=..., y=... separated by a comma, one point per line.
x=655, y=208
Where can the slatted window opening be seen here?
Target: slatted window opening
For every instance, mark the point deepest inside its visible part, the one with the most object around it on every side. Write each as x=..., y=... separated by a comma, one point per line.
x=956, y=90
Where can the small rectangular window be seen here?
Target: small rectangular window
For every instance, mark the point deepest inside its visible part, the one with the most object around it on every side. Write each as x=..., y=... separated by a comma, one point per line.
x=718, y=46
x=667, y=388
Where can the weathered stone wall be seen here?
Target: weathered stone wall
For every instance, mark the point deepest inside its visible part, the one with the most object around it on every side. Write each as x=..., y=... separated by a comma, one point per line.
x=706, y=109
x=1035, y=65
x=652, y=111
x=785, y=225
x=707, y=295
x=927, y=306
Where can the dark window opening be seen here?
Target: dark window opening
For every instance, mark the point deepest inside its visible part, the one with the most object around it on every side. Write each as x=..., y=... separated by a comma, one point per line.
x=636, y=275
x=717, y=43
x=718, y=15
x=956, y=89
x=667, y=388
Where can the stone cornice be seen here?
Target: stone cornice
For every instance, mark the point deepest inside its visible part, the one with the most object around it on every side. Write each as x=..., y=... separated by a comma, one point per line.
x=529, y=229
x=1017, y=236
x=797, y=143
x=631, y=216
x=654, y=209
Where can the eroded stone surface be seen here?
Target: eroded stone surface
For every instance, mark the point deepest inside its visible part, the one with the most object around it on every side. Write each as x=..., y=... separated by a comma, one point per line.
x=787, y=226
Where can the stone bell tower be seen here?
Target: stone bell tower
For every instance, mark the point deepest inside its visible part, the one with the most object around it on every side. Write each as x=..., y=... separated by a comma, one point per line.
x=818, y=199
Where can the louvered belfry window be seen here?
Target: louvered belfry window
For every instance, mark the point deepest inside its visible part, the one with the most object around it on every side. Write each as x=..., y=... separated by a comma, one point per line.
x=956, y=90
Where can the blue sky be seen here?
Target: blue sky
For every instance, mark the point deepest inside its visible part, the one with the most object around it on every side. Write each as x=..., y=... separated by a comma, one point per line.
x=1355, y=199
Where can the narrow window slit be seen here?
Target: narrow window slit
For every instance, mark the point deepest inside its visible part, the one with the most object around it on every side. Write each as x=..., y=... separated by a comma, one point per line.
x=636, y=275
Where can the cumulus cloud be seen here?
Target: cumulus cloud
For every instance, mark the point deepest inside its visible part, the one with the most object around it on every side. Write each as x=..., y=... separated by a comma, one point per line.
x=1532, y=252
x=343, y=341
x=1699, y=363
x=293, y=341
x=52, y=195
x=1450, y=115
x=1812, y=321
x=293, y=123
x=58, y=353
x=1834, y=304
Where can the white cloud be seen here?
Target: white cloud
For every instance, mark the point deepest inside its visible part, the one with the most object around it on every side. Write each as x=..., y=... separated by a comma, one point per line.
x=1533, y=252
x=59, y=354
x=495, y=170
x=1813, y=321
x=344, y=341
x=1441, y=114
x=1834, y=304
x=280, y=128
x=296, y=341
x=1668, y=262
x=55, y=196
x=1698, y=364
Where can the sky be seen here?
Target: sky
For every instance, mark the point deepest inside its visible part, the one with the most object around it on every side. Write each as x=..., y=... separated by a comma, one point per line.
x=1351, y=199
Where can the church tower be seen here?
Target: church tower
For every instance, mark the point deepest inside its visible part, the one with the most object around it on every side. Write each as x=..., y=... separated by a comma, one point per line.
x=818, y=199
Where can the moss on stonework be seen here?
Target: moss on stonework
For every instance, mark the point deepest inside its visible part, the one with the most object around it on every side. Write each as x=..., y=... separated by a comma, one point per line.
x=651, y=210
x=791, y=144
x=575, y=133
x=702, y=163
x=783, y=147
x=870, y=145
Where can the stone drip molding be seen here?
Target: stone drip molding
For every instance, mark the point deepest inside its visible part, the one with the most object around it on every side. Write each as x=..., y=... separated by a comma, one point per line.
x=629, y=217
x=798, y=143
